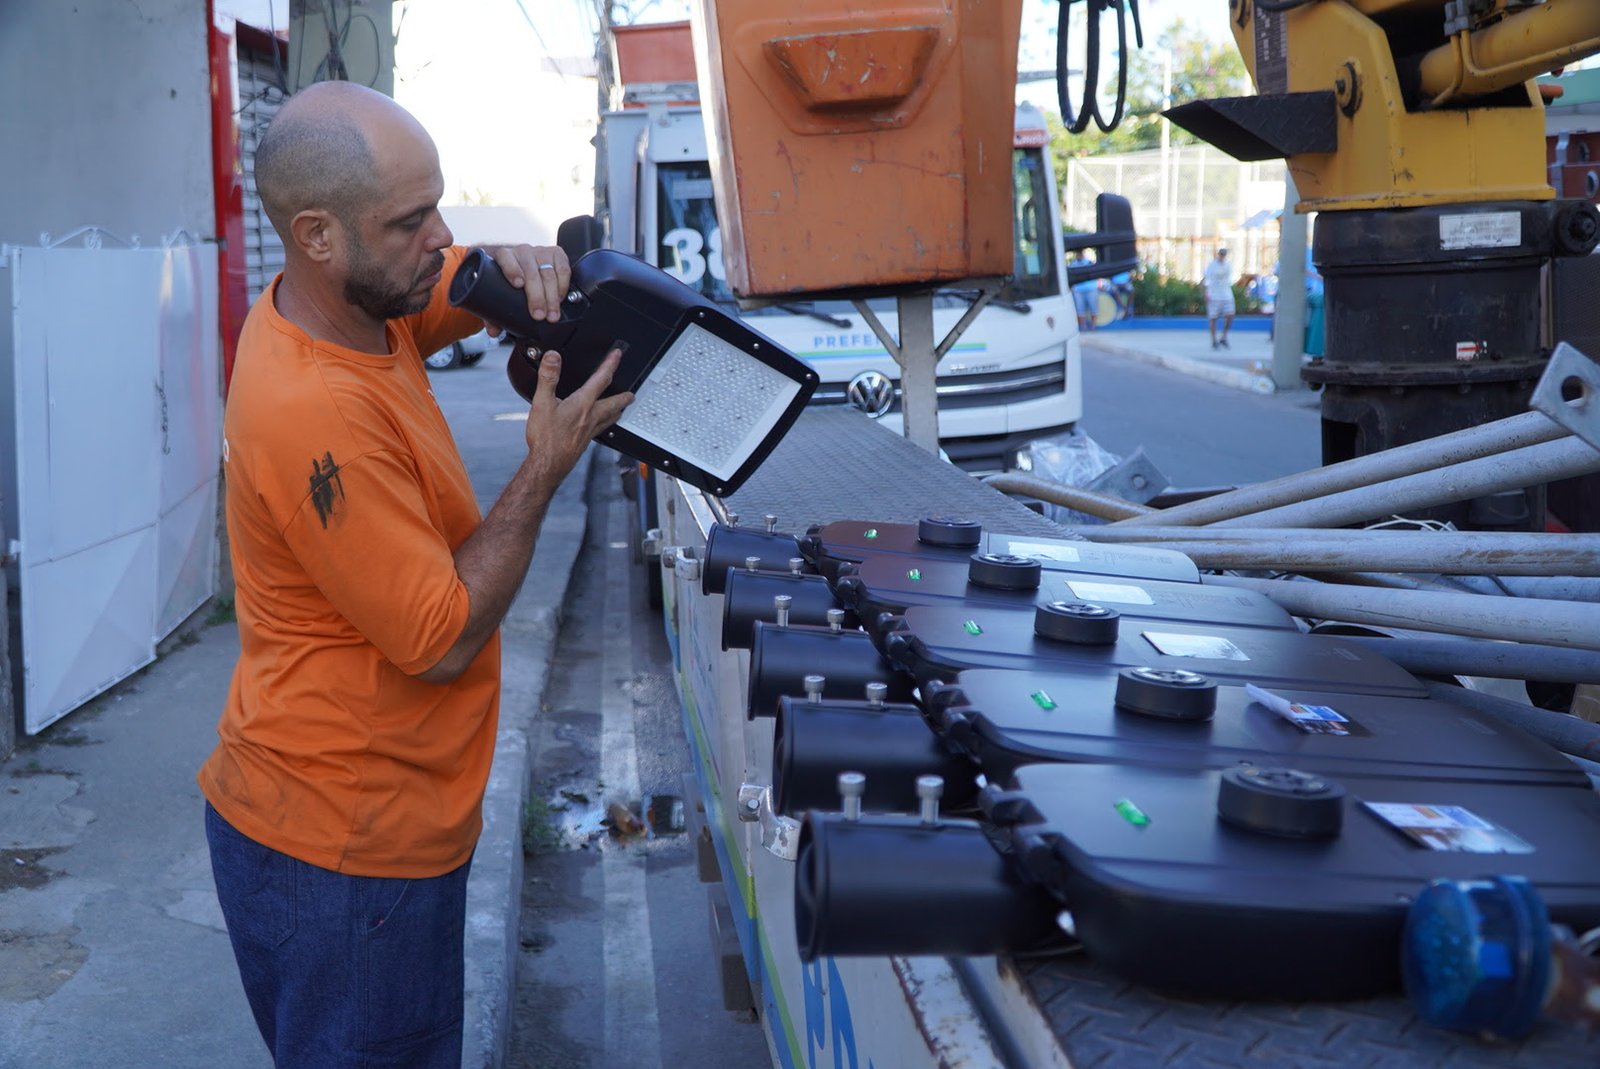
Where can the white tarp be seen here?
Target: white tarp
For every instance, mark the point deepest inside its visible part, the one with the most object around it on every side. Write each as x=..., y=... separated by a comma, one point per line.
x=117, y=434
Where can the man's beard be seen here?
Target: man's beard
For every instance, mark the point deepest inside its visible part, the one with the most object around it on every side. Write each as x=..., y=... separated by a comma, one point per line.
x=368, y=290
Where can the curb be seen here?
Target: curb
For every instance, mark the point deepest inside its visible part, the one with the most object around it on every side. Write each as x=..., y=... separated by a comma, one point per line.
x=1234, y=377
x=494, y=889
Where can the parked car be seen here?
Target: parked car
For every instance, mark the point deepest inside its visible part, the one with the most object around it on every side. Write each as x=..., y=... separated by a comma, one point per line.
x=463, y=353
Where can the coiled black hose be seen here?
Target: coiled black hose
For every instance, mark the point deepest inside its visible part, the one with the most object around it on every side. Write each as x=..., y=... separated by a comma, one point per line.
x=1089, y=110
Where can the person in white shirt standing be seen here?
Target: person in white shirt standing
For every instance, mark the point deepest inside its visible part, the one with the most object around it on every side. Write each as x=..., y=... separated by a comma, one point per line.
x=1218, y=282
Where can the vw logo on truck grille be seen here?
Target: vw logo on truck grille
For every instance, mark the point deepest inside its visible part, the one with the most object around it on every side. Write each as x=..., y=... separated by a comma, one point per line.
x=872, y=392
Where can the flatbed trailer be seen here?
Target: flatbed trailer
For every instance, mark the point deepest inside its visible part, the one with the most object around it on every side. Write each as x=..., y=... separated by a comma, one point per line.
x=911, y=1012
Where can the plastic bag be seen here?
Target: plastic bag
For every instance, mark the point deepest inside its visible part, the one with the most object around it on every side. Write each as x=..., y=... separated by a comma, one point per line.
x=1074, y=459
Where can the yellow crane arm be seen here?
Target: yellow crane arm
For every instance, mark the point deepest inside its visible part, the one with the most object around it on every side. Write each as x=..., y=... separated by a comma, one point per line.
x=1521, y=45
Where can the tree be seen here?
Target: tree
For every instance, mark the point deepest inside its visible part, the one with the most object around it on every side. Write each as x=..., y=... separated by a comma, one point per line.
x=1201, y=69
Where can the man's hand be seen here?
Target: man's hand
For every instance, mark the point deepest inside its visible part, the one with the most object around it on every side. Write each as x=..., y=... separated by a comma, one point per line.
x=543, y=273
x=559, y=429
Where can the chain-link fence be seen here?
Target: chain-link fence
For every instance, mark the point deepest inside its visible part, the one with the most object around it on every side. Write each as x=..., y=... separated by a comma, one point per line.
x=1188, y=201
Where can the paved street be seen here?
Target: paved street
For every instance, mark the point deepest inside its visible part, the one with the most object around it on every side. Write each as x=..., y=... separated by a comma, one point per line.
x=1198, y=431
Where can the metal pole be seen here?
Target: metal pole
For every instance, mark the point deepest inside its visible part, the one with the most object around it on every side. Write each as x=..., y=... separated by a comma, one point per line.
x=1086, y=501
x=1481, y=657
x=1394, y=581
x=1166, y=144
x=1528, y=466
x=919, y=401
x=1569, y=624
x=918, y=358
x=1441, y=552
x=1515, y=432
x=1568, y=734
x=1289, y=316
x=1554, y=587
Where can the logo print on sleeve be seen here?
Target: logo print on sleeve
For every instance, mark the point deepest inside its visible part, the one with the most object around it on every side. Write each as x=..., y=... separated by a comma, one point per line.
x=326, y=486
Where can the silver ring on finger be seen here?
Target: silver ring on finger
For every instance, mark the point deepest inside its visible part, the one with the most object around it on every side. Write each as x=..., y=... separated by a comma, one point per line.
x=547, y=267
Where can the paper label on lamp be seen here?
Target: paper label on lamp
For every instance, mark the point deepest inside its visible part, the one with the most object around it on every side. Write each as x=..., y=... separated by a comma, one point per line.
x=1041, y=551
x=707, y=403
x=1481, y=230
x=1448, y=828
x=1208, y=647
x=1119, y=593
x=1306, y=718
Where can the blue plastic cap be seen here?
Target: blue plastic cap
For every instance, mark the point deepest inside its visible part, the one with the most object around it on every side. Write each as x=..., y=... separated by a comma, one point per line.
x=1476, y=956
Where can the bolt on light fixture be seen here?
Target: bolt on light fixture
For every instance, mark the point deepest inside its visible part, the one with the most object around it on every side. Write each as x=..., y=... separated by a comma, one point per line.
x=712, y=398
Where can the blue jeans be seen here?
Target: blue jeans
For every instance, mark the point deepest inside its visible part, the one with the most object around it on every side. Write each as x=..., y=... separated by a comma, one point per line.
x=343, y=972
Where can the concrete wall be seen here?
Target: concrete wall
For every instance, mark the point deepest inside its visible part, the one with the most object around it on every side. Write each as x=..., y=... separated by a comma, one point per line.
x=104, y=121
x=104, y=118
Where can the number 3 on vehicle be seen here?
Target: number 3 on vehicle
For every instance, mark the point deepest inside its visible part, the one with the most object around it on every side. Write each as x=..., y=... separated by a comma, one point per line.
x=688, y=257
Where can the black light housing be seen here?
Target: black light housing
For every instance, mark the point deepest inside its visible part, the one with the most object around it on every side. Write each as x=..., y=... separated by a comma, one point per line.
x=748, y=597
x=782, y=657
x=732, y=547
x=889, y=744
x=890, y=885
x=712, y=397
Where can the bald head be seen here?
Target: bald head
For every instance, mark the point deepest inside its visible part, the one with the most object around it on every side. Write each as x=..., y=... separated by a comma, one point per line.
x=325, y=150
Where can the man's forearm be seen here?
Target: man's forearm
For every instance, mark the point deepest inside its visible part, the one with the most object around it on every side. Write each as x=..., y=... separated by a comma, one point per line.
x=492, y=563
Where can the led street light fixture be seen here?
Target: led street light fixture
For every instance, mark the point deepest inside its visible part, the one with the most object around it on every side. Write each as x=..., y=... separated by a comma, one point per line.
x=712, y=398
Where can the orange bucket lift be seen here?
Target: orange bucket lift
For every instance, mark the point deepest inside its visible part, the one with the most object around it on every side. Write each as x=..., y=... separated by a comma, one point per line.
x=859, y=146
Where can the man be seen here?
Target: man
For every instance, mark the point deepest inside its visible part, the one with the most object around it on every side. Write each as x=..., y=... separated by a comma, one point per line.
x=1219, y=297
x=1086, y=296
x=344, y=795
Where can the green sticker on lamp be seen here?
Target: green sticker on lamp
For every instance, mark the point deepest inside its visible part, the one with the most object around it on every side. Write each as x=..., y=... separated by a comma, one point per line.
x=1043, y=700
x=971, y=627
x=870, y=532
x=1131, y=813
x=915, y=575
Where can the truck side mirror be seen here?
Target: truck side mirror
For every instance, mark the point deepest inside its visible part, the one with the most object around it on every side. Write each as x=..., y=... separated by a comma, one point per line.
x=578, y=236
x=1115, y=242
x=1113, y=219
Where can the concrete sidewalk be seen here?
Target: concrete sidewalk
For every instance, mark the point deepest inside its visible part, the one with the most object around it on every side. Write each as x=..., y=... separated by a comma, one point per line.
x=112, y=947
x=1246, y=364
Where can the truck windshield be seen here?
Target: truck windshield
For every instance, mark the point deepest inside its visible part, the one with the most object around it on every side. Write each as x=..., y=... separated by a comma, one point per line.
x=1032, y=229
x=690, y=243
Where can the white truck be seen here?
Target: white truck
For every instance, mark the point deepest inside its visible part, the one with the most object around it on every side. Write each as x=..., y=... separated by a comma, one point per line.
x=1012, y=376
